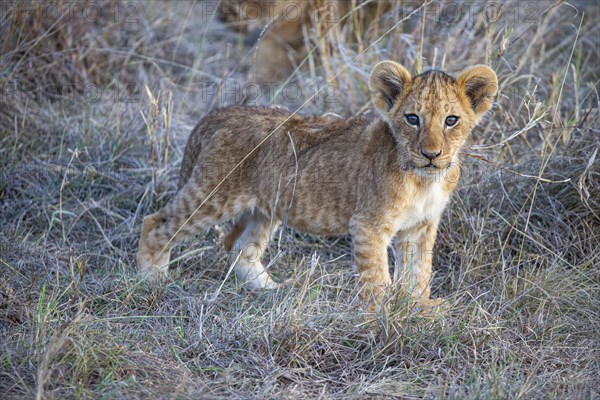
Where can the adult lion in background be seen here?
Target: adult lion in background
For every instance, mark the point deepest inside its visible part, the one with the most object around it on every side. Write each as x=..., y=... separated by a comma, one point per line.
x=289, y=26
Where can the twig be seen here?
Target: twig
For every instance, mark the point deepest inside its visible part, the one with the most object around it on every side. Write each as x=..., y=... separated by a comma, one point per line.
x=538, y=178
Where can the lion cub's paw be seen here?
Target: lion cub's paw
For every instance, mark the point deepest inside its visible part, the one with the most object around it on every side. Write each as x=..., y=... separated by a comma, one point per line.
x=373, y=296
x=430, y=306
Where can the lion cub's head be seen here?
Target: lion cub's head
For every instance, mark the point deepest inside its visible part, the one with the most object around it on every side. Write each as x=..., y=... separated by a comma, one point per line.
x=432, y=114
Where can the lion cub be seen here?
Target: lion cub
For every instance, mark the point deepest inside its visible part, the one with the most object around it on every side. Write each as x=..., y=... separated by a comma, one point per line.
x=379, y=181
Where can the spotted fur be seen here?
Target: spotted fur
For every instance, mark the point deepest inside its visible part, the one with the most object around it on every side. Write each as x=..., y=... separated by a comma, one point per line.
x=372, y=179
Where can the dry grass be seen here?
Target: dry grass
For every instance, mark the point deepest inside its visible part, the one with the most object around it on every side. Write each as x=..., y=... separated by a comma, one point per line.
x=517, y=259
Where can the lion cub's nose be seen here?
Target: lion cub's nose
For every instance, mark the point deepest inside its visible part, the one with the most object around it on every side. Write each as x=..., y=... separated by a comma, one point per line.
x=431, y=154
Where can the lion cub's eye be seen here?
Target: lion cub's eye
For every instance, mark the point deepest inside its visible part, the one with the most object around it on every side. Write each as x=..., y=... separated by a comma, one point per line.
x=412, y=119
x=451, y=120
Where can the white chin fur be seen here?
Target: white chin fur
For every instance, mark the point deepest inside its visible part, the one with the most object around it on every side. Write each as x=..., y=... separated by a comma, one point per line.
x=428, y=172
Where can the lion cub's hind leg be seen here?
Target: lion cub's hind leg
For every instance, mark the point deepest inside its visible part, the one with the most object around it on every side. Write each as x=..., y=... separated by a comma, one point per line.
x=152, y=263
x=178, y=220
x=246, y=243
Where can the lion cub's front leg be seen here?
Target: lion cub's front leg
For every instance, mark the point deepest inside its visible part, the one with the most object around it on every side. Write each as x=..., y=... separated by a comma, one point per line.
x=414, y=248
x=370, y=256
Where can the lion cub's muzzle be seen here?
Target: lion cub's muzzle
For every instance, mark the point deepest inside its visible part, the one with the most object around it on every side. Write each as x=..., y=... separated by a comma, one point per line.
x=428, y=161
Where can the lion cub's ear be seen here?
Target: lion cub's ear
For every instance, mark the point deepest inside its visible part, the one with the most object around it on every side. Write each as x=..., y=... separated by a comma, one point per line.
x=387, y=83
x=480, y=84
